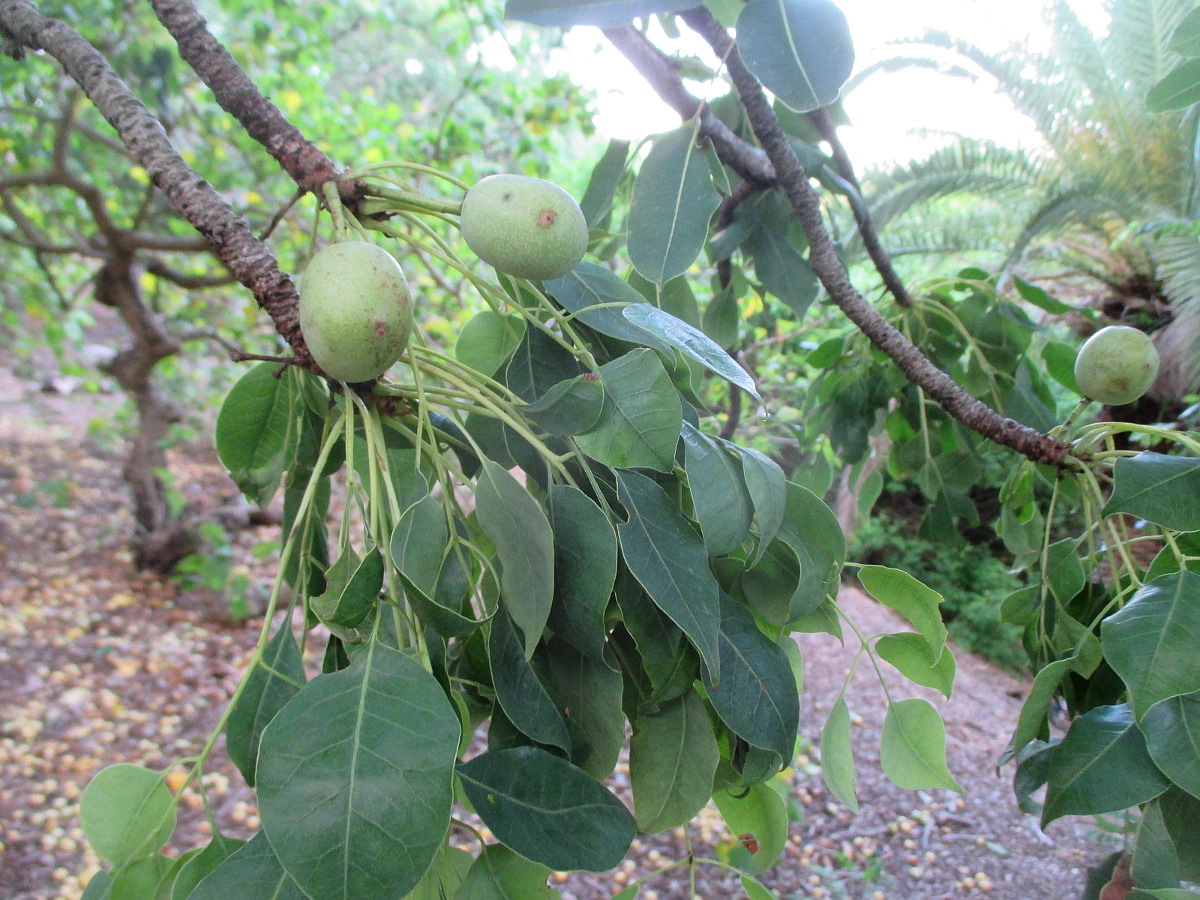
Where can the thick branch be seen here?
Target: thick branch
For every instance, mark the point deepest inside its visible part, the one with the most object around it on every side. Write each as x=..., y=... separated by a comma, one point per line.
x=866, y=226
x=308, y=166
x=824, y=260
x=744, y=158
x=250, y=261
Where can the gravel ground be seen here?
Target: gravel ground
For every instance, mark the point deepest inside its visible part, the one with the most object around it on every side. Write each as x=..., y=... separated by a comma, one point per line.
x=100, y=665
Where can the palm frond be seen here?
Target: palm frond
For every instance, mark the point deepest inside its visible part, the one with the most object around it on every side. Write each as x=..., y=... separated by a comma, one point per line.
x=1176, y=253
x=1081, y=204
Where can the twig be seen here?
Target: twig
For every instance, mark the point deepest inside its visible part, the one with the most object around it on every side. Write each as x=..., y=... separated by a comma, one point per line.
x=824, y=259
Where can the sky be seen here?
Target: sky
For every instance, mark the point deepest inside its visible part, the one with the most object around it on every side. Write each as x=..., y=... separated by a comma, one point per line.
x=894, y=117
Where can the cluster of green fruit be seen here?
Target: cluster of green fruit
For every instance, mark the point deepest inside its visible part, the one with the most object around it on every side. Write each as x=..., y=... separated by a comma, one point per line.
x=355, y=303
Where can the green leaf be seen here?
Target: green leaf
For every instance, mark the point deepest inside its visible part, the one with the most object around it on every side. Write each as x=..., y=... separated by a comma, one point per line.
x=1181, y=815
x=672, y=759
x=198, y=867
x=1031, y=293
x=1060, y=364
x=421, y=552
x=1032, y=720
x=500, y=874
x=602, y=13
x=1162, y=489
x=912, y=747
x=342, y=767
x=517, y=526
x=585, y=567
x=548, y=810
x=692, y=343
x=1155, y=864
x=351, y=588
x=914, y=657
x=569, y=407
x=139, y=880
x=669, y=560
x=782, y=269
x=590, y=290
x=756, y=696
x=1172, y=730
x=672, y=203
x=251, y=873
x=254, y=435
x=901, y=592
x=1101, y=766
x=273, y=681
x=1151, y=642
x=837, y=755
x=127, y=813
x=755, y=889
x=1064, y=570
x=767, y=485
x=719, y=496
x=799, y=49
x=639, y=426
x=589, y=693
x=445, y=877
x=521, y=693
x=488, y=340
x=597, y=200
x=757, y=811
x=1177, y=89
x=1185, y=40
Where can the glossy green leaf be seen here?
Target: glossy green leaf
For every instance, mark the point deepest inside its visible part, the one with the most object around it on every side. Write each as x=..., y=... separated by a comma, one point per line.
x=539, y=363
x=1162, y=489
x=837, y=755
x=589, y=291
x=1177, y=89
x=522, y=696
x=899, y=591
x=589, y=693
x=275, y=680
x=691, y=342
x=912, y=747
x=487, y=340
x=1151, y=642
x=254, y=433
x=251, y=873
x=757, y=811
x=126, y=813
x=602, y=13
x=673, y=201
x=1155, y=864
x=569, y=407
x=1101, y=766
x=341, y=768
x=669, y=560
x=500, y=874
x=585, y=567
x=548, y=810
x=639, y=426
x=914, y=657
x=200, y=866
x=1172, y=730
x=517, y=526
x=756, y=696
x=1031, y=723
x=719, y=495
x=672, y=759
x=799, y=49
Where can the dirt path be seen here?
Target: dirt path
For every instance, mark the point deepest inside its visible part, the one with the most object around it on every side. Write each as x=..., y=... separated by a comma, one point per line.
x=99, y=665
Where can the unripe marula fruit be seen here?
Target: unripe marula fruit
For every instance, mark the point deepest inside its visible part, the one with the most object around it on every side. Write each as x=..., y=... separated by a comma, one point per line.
x=524, y=226
x=1116, y=365
x=355, y=310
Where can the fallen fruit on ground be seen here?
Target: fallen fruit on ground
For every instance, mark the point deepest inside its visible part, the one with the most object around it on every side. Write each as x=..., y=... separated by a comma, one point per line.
x=1116, y=365
x=355, y=310
x=527, y=227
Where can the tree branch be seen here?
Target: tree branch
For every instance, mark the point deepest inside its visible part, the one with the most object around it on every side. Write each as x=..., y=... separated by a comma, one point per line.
x=250, y=261
x=866, y=227
x=824, y=260
x=308, y=166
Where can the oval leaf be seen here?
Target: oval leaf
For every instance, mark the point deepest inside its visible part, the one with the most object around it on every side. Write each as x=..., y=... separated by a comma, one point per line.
x=521, y=693
x=342, y=768
x=672, y=759
x=837, y=755
x=254, y=433
x=720, y=499
x=1161, y=489
x=252, y=873
x=901, y=592
x=585, y=568
x=799, y=49
x=1172, y=729
x=912, y=655
x=640, y=422
x=912, y=747
x=757, y=811
x=589, y=291
x=127, y=813
x=673, y=201
x=548, y=810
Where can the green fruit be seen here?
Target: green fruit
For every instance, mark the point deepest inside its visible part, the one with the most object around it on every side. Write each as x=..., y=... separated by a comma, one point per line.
x=524, y=226
x=1116, y=365
x=355, y=310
